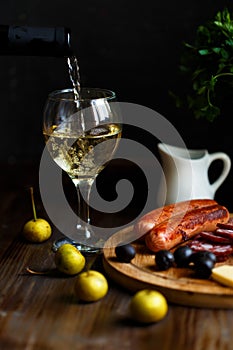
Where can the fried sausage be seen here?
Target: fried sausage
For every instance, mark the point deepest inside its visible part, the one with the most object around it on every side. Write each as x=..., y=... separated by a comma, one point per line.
x=155, y=217
x=182, y=227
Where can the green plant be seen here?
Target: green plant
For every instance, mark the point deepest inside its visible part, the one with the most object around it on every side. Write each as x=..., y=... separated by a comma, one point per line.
x=207, y=64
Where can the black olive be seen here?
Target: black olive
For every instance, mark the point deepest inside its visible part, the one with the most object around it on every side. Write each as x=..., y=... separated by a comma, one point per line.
x=164, y=259
x=182, y=256
x=203, y=267
x=196, y=256
x=125, y=253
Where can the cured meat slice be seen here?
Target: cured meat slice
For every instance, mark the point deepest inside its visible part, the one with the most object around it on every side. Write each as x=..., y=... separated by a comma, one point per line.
x=225, y=233
x=228, y=225
x=222, y=251
x=214, y=237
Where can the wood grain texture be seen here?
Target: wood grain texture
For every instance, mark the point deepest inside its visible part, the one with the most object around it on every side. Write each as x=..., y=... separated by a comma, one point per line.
x=179, y=285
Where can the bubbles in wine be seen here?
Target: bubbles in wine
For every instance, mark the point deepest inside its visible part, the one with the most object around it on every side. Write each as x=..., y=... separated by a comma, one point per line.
x=78, y=155
x=98, y=131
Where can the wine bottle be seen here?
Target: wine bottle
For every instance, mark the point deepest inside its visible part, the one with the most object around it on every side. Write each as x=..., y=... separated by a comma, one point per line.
x=35, y=41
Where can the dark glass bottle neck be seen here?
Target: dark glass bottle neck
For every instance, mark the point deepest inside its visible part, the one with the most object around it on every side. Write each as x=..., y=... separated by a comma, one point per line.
x=35, y=41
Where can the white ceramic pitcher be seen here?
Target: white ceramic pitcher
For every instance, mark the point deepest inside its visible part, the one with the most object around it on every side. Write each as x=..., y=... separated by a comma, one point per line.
x=186, y=172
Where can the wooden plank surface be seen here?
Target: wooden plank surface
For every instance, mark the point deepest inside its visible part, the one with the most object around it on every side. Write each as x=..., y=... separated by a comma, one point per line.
x=42, y=312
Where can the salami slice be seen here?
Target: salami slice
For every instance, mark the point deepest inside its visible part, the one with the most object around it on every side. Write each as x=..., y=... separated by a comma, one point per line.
x=227, y=226
x=214, y=237
x=225, y=233
x=222, y=251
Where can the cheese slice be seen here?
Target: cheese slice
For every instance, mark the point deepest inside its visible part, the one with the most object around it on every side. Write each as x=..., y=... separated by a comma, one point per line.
x=223, y=274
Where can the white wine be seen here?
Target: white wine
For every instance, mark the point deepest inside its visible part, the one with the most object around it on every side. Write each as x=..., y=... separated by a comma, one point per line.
x=79, y=156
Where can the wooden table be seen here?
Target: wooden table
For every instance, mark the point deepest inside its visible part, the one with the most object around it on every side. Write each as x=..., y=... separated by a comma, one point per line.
x=42, y=312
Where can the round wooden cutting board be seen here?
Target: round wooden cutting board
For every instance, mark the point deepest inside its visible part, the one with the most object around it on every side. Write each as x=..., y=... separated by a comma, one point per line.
x=179, y=285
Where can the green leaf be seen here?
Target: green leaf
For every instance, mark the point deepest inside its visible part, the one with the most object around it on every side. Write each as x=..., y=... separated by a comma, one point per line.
x=195, y=86
x=216, y=49
x=203, y=31
x=208, y=112
x=221, y=66
x=202, y=90
x=183, y=68
x=218, y=23
x=224, y=54
x=204, y=52
x=229, y=42
x=189, y=46
x=211, y=83
x=178, y=101
x=197, y=72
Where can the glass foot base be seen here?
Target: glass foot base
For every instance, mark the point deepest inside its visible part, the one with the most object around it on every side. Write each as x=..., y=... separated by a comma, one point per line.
x=83, y=248
x=87, y=250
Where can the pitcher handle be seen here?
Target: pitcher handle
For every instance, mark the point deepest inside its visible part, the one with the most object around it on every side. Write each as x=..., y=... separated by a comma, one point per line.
x=226, y=168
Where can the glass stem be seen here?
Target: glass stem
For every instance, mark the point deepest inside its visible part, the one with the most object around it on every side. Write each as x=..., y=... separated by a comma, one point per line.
x=83, y=187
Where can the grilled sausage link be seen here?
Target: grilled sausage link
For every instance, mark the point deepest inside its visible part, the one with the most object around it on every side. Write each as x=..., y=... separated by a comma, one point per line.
x=182, y=227
x=155, y=217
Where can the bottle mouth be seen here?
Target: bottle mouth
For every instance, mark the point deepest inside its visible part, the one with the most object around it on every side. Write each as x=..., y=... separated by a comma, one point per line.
x=63, y=41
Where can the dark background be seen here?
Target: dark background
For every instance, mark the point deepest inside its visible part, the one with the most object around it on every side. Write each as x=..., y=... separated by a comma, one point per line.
x=130, y=47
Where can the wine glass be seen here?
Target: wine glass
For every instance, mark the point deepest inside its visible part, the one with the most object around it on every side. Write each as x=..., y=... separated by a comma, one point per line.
x=82, y=133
